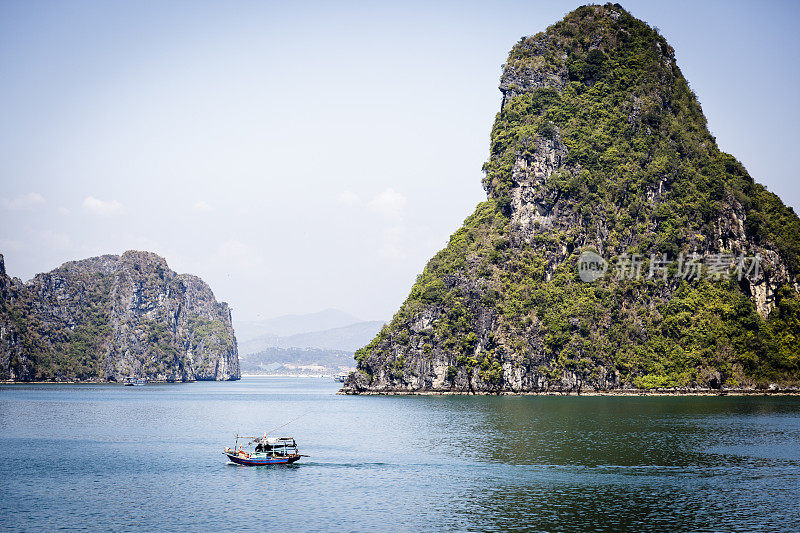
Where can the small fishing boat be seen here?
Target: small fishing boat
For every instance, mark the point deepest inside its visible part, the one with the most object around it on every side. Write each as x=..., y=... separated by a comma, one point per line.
x=339, y=378
x=257, y=451
x=135, y=382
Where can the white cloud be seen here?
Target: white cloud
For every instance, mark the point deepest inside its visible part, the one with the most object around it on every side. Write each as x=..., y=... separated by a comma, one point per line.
x=141, y=242
x=63, y=211
x=391, y=243
x=201, y=206
x=389, y=203
x=238, y=254
x=349, y=198
x=24, y=201
x=102, y=207
x=54, y=240
x=9, y=244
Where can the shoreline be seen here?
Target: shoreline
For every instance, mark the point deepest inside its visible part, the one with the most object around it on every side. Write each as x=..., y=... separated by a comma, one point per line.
x=158, y=382
x=789, y=391
x=325, y=376
x=101, y=382
x=621, y=392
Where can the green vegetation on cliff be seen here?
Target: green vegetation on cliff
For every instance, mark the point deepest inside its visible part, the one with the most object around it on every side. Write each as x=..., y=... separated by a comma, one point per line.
x=600, y=145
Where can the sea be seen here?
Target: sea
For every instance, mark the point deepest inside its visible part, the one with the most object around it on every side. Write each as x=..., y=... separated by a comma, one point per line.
x=107, y=457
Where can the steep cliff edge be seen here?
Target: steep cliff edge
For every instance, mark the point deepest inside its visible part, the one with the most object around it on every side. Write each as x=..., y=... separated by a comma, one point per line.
x=600, y=146
x=109, y=317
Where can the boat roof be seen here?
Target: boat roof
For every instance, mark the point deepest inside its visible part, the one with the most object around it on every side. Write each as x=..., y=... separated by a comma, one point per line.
x=278, y=440
x=272, y=440
x=269, y=441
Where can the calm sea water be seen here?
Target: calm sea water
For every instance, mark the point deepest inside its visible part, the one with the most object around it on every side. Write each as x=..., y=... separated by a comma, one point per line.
x=131, y=458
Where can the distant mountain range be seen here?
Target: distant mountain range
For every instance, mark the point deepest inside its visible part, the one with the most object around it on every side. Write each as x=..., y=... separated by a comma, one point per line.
x=287, y=325
x=314, y=343
x=348, y=338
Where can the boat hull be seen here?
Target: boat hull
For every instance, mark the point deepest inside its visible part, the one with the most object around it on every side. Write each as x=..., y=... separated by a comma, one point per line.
x=259, y=461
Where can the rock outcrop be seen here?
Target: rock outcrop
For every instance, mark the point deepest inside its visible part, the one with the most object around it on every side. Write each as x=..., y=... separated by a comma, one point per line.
x=600, y=146
x=110, y=317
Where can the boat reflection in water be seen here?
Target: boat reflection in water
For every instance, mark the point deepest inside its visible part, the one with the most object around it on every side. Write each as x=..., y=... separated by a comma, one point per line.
x=257, y=451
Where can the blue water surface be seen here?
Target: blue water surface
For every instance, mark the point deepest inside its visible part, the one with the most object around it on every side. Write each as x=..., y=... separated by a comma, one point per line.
x=77, y=457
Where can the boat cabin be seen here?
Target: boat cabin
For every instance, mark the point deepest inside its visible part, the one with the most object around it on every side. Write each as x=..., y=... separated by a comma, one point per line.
x=280, y=447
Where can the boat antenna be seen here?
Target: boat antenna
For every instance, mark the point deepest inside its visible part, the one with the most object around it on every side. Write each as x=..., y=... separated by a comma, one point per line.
x=286, y=424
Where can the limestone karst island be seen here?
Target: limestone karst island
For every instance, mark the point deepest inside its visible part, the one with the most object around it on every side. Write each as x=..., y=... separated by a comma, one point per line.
x=601, y=145
x=299, y=266
x=111, y=317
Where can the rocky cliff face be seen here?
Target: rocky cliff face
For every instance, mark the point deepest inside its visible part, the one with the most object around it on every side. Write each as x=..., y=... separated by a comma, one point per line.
x=110, y=317
x=600, y=146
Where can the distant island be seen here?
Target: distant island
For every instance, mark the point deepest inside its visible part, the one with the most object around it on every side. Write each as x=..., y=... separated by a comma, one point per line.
x=618, y=248
x=110, y=317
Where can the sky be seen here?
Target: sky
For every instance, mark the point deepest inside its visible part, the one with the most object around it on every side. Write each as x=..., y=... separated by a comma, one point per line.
x=311, y=155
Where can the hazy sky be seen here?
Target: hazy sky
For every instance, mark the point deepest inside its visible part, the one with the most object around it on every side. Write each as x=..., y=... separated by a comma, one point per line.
x=313, y=155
